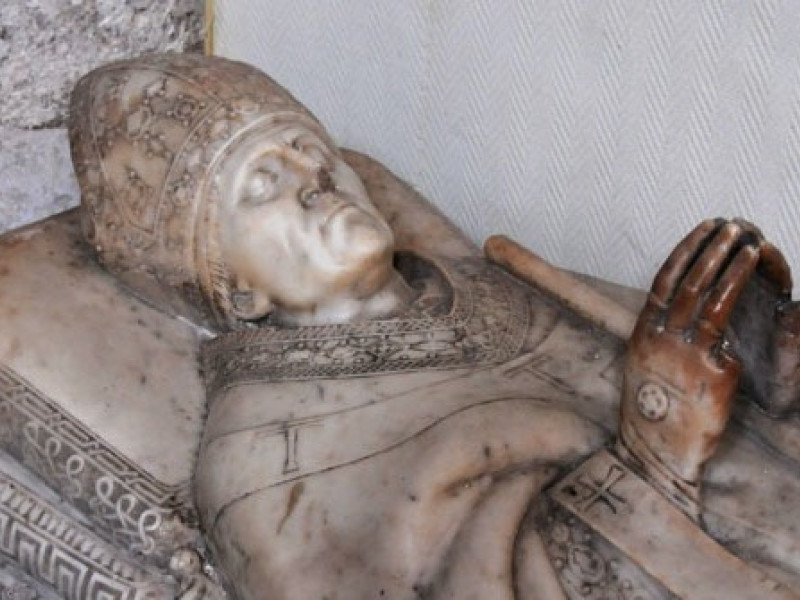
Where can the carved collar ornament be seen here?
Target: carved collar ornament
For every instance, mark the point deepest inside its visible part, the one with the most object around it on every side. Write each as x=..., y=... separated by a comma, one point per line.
x=147, y=137
x=486, y=323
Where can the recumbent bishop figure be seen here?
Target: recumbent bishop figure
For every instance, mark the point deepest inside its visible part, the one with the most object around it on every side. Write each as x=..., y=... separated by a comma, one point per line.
x=390, y=414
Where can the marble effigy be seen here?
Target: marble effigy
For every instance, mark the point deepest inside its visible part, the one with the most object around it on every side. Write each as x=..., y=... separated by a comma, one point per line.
x=253, y=365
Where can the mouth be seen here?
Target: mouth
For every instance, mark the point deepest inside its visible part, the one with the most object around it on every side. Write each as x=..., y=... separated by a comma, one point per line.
x=351, y=221
x=336, y=211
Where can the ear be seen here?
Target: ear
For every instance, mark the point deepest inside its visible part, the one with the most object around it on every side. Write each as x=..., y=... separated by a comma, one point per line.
x=249, y=305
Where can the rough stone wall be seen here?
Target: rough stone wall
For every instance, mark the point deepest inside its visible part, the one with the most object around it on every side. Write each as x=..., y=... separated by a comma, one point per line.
x=36, y=178
x=45, y=46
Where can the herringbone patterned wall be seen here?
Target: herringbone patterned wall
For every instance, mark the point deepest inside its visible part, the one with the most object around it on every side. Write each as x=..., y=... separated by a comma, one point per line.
x=597, y=133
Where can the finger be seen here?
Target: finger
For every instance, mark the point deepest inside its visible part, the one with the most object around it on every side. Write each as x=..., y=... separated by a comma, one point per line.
x=728, y=362
x=675, y=266
x=750, y=228
x=775, y=269
x=652, y=310
x=704, y=272
x=772, y=266
x=719, y=305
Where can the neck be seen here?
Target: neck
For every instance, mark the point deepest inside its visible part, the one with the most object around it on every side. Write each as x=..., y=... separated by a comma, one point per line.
x=390, y=300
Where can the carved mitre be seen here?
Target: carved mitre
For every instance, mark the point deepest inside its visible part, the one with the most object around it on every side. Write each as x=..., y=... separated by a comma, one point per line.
x=148, y=136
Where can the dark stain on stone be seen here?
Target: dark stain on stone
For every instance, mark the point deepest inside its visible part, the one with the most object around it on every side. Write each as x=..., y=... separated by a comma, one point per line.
x=294, y=498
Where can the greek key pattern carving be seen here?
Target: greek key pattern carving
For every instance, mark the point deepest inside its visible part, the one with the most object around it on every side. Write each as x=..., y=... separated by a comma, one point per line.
x=488, y=324
x=59, y=552
x=126, y=505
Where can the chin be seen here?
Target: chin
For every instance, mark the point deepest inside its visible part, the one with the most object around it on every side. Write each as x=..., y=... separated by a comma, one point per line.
x=358, y=237
x=365, y=261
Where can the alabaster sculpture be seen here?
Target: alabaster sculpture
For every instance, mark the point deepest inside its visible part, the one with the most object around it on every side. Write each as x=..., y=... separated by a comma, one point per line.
x=253, y=365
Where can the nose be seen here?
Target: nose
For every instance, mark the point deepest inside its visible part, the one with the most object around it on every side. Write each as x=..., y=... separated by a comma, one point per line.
x=324, y=189
x=325, y=181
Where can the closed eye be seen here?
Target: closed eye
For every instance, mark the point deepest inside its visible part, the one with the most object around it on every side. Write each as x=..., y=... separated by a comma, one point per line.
x=312, y=150
x=261, y=187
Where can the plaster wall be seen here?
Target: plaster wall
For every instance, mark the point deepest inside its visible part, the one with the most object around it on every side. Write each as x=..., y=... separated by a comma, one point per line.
x=597, y=133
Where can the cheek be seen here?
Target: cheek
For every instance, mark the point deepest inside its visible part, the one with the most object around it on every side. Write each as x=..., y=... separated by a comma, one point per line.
x=253, y=245
x=280, y=257
x=365, y=264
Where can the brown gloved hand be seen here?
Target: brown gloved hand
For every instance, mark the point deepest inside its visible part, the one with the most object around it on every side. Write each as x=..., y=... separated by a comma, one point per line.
x=680, y=377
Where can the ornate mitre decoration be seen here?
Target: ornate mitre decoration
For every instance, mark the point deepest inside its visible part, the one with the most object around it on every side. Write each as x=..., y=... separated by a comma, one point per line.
x=147, y=137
